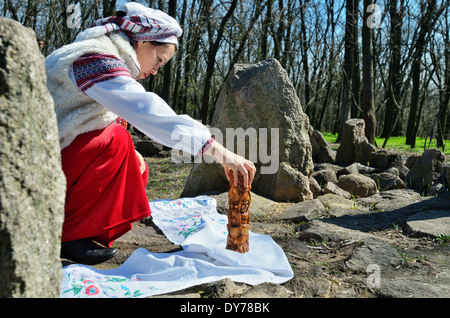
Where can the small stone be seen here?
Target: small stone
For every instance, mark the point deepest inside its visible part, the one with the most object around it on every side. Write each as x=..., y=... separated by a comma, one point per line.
x=358, y=185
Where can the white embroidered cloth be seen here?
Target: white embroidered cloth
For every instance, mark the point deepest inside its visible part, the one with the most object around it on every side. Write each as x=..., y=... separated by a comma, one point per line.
x=195, y=224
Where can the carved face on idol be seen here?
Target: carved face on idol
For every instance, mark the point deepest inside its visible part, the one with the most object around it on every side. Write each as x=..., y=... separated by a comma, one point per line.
x=234, y=196
x=245, y=202
x=239, y=200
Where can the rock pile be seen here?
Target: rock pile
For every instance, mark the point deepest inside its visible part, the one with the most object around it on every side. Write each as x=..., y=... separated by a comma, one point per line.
x=365, y=233
x=361, y=170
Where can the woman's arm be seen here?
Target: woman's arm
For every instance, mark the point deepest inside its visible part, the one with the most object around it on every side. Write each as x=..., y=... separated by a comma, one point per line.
x=152, y=116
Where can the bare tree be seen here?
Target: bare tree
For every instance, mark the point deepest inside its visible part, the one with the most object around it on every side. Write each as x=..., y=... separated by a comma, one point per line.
x=367, y=97
x=349, y=61
x=316, y=41
x=394, y=78
x=212, y=52
x=445, y=92
x=426, y=24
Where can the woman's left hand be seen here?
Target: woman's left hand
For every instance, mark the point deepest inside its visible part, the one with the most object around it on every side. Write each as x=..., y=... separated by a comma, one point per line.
x=141, y=162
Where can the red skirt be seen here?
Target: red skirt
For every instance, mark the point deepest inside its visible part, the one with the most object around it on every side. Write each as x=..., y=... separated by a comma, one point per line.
x=105, y=188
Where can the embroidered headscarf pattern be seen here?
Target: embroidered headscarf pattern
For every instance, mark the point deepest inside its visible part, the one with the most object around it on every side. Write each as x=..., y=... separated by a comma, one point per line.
x=139, y=23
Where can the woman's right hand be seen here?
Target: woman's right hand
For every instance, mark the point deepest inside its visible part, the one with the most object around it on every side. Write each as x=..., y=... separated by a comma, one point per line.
x=233, y=163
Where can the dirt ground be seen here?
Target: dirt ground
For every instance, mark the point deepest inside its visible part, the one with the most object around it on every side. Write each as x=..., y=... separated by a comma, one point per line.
x=319, y=267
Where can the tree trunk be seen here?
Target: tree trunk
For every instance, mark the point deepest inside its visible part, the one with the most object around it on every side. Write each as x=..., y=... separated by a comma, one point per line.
x=176, y=90
x=304, y=50
x=393, y=84
x=330, y=14
x=267, y=26
x=356, y=82
x=445, y=100
x=350, y=23
x=192, y=48
x=212, y=60
x=426, y=23
x=166, y=93
x=367, y=97
x=278, y=33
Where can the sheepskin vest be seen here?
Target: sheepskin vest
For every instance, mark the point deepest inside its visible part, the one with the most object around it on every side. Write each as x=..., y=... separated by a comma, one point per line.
x=76, y=112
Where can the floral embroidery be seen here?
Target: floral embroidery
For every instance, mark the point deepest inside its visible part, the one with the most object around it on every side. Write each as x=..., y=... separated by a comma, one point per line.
x=79, y=285
x=189, y=224
x=122, y=122
x=184, y=219
x=92, y=290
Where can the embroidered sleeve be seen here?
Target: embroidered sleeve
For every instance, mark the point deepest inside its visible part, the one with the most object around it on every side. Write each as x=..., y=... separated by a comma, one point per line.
x=95, y=68
x=206, y=146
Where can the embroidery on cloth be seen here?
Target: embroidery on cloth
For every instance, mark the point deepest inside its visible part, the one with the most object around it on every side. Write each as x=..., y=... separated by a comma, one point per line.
x=138, y=28
x=122, y=122
x=94, y=68
x=201, y=231
x=81, y=284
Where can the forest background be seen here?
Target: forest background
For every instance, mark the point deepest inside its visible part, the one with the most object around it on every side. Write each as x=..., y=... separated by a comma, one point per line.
x=385, y=61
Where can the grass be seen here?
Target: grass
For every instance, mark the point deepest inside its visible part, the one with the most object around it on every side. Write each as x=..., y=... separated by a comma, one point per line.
x=398, y=143
x=443, y=239
x=166, y=178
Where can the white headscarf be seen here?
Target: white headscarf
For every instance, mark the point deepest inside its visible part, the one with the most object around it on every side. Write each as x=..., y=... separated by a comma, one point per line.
x=139, y=23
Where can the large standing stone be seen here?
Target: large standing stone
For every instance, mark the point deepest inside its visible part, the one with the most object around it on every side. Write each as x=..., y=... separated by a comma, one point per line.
x=259, y=104
x=32, y=184
x=354, y=145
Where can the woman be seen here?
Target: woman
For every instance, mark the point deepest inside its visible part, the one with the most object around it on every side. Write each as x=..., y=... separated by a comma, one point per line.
x=94, y=87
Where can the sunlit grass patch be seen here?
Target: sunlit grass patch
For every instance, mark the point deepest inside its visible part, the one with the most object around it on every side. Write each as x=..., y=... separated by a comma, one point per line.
x=398, y=143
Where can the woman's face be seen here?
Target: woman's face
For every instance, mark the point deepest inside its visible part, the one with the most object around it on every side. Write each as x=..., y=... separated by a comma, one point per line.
x=151, y=57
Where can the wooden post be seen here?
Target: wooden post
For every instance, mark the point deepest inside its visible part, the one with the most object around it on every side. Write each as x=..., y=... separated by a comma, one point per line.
x=238, y=215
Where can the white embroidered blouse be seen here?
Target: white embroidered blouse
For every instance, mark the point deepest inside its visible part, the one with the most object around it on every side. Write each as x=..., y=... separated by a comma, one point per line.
x=107, y=80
